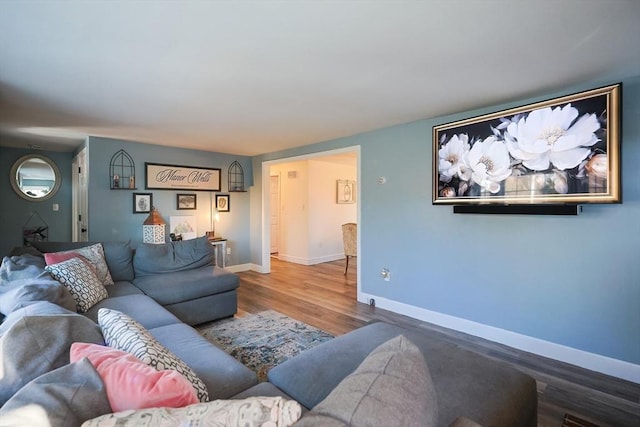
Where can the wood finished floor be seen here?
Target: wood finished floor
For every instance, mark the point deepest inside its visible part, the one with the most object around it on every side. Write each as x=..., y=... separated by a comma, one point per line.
x=322, y=296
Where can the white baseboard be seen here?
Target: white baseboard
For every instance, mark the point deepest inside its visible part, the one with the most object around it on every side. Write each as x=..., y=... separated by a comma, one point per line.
x=242, y=267
x=591, y=361
x=310, y=261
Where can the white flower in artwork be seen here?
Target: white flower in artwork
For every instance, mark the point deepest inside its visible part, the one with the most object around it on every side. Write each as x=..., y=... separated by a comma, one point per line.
x=552, y=136
x=490, y=164
x=451, y=159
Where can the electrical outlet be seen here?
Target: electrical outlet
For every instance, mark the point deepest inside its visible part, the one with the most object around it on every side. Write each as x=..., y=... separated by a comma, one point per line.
x=385, y=274
x=228, y=251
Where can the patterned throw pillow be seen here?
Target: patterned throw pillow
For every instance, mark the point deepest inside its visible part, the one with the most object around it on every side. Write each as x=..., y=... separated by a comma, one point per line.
x=95, y=255
x=131, y=383
x=122, y=332
x=250, y=412
x=81, y=281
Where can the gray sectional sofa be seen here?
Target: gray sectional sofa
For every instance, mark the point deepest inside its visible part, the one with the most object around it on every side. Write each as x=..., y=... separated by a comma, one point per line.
x=168, y=287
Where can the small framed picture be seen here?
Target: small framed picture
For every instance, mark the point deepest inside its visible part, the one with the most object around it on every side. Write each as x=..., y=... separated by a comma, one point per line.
x=222, y=202
x=142, y=202
x=345, y=191
x=186, y=201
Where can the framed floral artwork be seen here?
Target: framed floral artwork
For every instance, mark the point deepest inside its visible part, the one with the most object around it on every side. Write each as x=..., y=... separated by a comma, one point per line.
x=561, y=151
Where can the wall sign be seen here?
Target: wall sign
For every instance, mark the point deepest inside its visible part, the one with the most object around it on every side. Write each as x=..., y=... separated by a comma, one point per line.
x=174, y=177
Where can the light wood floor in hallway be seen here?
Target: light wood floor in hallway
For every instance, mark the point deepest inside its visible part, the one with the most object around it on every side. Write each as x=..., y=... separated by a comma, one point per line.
x=322, y=296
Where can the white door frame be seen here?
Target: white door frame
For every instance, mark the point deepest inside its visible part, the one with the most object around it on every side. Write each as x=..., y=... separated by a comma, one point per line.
x=266, y=202
x=79, y=197
x=277, y=215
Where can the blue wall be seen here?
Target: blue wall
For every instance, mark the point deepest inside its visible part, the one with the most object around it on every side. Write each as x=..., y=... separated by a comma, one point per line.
x=573, y=281
x=111, y=216
x=16, y=211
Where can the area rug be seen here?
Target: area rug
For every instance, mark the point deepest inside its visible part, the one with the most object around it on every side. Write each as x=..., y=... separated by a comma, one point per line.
x=263, y=340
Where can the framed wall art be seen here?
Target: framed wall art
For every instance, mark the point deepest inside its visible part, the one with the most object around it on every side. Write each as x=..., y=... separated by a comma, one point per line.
x=142, y=202
x=222, y=203
x=186, y=201
x=345, y=191
x=183, y=226
x=174, y=177
x=561, y=151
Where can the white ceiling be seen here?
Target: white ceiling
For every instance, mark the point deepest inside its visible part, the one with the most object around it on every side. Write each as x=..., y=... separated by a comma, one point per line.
x=252, y=77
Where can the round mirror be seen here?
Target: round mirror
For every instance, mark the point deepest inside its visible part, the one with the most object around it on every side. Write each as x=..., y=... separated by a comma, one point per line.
x=35, y=177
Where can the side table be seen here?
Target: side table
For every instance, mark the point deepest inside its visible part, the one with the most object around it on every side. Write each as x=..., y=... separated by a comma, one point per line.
x=220, y=250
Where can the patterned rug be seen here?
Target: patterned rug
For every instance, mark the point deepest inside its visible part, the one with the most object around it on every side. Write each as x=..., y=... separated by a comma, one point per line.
x=264, y=340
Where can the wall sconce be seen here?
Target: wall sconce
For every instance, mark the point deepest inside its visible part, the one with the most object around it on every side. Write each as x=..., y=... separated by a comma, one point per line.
x=153, y=228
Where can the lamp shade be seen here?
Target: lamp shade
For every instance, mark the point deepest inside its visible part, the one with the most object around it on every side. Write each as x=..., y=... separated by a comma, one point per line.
x=153, y=228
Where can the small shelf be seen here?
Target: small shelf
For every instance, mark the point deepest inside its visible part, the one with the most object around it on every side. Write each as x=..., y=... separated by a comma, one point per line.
x=236, y=178
x=122, y=172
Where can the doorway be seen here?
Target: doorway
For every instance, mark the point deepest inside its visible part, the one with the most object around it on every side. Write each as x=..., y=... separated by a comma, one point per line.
x=273, y=234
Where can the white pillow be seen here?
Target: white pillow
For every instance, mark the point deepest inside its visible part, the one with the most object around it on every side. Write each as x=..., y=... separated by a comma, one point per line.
x=81, y=281
x=250, y=412
x=123, y=333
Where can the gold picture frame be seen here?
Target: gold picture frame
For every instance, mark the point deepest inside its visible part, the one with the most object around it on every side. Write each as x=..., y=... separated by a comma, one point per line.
x=560, y=151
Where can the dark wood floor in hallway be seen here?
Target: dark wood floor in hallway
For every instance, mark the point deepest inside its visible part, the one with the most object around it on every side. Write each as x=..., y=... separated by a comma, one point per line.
x=322, y=296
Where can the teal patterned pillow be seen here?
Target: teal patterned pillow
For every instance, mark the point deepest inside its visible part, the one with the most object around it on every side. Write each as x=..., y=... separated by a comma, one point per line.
x=81, y=281
x=123, y=333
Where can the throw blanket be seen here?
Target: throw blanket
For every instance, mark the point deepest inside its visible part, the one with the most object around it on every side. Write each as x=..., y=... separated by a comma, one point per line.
x=24, y=281
x=20, y=267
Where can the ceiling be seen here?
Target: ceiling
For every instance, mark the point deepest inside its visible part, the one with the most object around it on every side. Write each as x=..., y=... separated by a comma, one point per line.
x=253, y=77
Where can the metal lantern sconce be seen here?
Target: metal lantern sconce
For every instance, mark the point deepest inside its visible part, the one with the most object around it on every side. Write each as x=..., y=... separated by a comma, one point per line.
x=153, y=228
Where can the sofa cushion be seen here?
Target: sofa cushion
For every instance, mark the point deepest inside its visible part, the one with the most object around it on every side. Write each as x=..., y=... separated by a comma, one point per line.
x=230, y=376
x=119, y=257
x=132, y=384
x=81, y=281
x=344, y=353
x=35, y=345
x=391, y=387
x=251, y=412
x=64, y=397
x=171, y=288
x=123, y=333
x=172, y=256
x=140, y=308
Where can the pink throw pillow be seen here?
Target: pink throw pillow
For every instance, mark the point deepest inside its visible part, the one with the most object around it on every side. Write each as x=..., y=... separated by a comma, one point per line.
x=132, y=384
x=57, y=257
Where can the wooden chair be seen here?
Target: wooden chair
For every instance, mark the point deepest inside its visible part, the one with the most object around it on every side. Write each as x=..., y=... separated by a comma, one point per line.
x=350, y=240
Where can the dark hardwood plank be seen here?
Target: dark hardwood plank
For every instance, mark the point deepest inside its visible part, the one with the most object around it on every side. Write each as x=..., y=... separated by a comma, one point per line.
x=322, y=296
